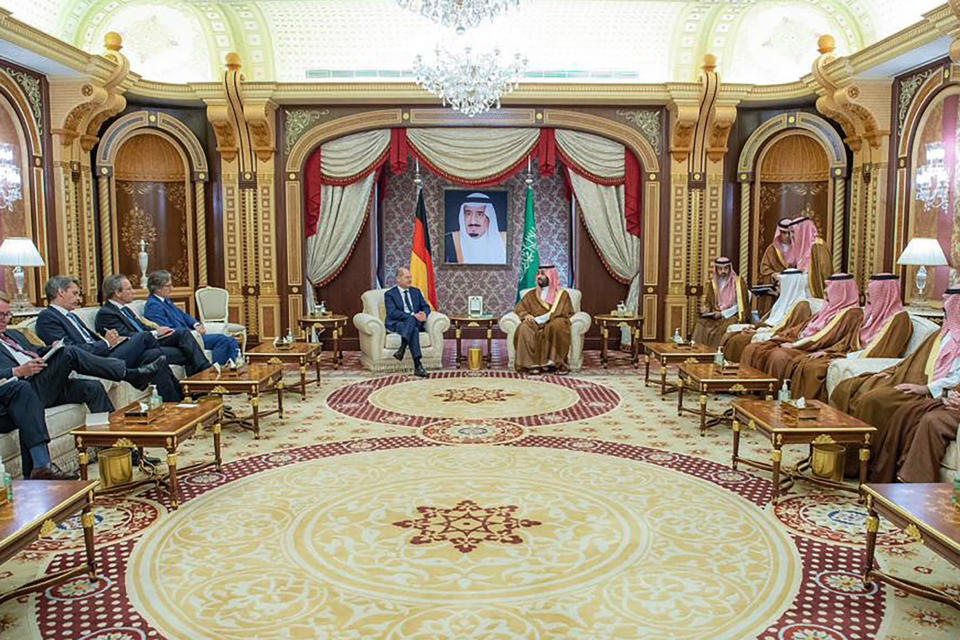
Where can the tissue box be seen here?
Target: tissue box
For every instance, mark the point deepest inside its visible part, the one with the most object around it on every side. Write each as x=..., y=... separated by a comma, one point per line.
x=791, y=410
x=137, y=415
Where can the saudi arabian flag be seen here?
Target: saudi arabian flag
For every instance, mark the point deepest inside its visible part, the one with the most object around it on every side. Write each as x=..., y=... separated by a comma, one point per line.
x=529, y=250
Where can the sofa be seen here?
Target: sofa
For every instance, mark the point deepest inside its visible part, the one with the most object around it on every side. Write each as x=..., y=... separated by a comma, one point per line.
x=377, y=345
x=850, y=367
x=62, y=419
x=579, y=325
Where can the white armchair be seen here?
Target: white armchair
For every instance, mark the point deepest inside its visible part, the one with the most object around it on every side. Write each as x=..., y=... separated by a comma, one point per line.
x=377, y=346
x=213, y=309
x=844, y=368
x=579, y=325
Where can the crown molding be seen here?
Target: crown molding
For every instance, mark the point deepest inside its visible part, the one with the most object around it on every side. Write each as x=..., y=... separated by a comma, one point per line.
x=934, y=25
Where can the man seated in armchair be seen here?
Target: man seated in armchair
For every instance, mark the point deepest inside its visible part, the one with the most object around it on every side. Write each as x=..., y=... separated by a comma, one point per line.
x=59, y=322
x=407, y=311
x=30, y=385
x=178, y=345
x=161, y=310
x=542, y=340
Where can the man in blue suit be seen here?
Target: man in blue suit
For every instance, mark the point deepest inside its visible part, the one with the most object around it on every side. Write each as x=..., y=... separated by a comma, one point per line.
x=161, y=310
x=59, y=322
x=407, y=311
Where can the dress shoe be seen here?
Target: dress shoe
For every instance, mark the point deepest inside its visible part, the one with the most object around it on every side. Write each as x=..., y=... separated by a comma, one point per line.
x=52, y=472
x=419, y=371
x=398, y=354
x=142, y=376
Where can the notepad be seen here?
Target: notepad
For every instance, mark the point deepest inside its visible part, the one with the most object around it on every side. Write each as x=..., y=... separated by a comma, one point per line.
x=97, y=419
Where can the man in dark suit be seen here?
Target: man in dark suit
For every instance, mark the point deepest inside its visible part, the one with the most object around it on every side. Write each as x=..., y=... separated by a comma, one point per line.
x=30, y=385
x=58, y=322
x=407, y=311
x=178, y=345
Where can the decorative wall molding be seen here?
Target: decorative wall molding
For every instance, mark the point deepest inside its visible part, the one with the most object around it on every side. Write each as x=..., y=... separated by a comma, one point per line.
x=648, y=122
x=296, y=122
x=909, y=86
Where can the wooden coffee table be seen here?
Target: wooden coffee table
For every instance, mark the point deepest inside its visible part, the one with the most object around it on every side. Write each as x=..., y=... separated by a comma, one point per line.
x=829, y=427
x=670, y=352
x=300, y=353
x=37, y=507
x=926, y=514
x=174, y=425
x=708, y=378
x=632, y=322
x=316, y=325
x=461, y=321
x=251, y=379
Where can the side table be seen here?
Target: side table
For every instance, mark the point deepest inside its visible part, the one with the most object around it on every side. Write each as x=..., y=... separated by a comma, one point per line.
x=634, y=323
x=336, y=323
x=177, y=422
x=461, y=321
x=37, y=507
x=300, y=353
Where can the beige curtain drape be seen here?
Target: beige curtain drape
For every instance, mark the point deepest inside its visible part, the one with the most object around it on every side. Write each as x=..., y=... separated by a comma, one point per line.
x=342, y=213
x=601, y=157
x=473, y=154
x=348, y=156
x=602, y=209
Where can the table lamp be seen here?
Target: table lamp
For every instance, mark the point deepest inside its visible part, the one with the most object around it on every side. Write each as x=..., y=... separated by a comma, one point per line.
x=923, y=253
x=19, y=253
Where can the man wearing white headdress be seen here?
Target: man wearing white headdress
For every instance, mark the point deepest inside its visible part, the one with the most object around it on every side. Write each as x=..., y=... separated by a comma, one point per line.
x=479, y=239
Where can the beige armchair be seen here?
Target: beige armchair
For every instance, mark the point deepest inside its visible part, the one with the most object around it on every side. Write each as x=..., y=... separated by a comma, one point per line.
x=844, y=368
x=579, y=325
x=213, y=311
x=377, y=345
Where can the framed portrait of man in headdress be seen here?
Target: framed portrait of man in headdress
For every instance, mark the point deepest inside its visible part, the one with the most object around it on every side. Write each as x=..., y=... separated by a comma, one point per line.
x=475, y=227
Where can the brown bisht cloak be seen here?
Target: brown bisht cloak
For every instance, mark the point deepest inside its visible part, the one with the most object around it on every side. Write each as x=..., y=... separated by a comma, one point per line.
x=848, y=395
x=771, y=263
x=916, y=438
x=755, y=354
x=821, y=268
x=538, y=344
x=808, y=376
x=842, y=335
x=710, y=331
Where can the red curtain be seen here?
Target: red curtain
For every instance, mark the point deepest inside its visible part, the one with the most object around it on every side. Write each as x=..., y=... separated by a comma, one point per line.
x=312, y=182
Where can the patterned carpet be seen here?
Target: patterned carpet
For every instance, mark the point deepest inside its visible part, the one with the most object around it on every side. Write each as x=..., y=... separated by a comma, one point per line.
x=479, y=505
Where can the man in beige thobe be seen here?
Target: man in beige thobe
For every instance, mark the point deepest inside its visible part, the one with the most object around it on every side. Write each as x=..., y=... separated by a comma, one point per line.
x=542, y=341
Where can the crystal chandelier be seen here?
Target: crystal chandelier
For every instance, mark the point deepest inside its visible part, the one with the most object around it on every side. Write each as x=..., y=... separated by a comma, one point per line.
x=470, y=83
x=459, y=14
x=932, y=178
x=10, y=190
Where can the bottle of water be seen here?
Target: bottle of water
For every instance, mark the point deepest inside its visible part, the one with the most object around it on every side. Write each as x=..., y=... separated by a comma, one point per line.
x=784, y=394
x=677, y=338
x=7, y=481
x=289, y=337
x=718, y=357
x=956, y=493
x=155, y=400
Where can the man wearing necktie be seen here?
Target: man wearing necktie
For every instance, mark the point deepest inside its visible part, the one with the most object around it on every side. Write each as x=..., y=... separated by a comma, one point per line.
x=59, y=322
x=406, y=312
x=30, y=384
x=160, y=308
x=178, y=345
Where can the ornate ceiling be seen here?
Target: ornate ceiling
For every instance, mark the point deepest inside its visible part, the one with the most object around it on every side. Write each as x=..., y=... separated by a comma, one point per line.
x=756, y=41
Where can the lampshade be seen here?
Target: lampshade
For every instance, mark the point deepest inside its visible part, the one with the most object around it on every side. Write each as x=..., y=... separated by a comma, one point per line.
x=918, y=252
x=19, y=252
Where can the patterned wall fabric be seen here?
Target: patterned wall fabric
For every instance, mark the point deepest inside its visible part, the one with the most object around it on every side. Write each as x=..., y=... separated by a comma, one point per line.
x=157, y=213
x=497, y=285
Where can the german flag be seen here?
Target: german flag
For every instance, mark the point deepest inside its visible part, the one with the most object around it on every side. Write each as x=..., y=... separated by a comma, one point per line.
x=421, y=264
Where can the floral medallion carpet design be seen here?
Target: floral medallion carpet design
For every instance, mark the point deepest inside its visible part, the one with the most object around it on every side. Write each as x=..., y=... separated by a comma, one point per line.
x=479, y=505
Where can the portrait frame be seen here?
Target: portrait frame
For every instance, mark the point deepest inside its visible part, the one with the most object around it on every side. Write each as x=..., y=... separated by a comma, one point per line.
x=452, y=199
